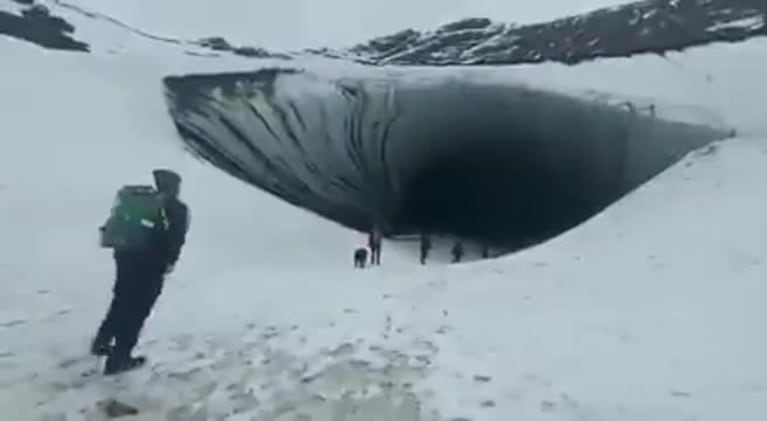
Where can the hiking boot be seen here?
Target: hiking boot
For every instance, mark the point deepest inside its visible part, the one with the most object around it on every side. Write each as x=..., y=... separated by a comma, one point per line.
x=117, y=365
x=100, y=349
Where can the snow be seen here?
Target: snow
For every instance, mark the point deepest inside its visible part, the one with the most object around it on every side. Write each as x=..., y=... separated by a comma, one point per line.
x=713, y=85
x=98, y=123
x=752, y=23
x=647, y=311
x=295, y=24
x=11, y=7
x=643, y=313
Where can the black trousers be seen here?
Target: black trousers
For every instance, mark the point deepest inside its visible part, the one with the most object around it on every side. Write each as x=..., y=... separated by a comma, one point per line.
x=138, y=284
x=424, y=254
x=375, y=254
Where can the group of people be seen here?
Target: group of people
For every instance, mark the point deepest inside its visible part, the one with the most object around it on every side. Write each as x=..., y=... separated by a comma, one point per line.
x=457, y=251
x=374, y=243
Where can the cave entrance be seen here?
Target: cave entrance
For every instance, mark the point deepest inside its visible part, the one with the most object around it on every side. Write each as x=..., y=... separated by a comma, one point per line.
x=496, y=193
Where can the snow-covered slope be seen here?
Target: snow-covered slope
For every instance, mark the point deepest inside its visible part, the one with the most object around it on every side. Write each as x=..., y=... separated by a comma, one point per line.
x=644, y=312
x=647, y=311
x=97, y=125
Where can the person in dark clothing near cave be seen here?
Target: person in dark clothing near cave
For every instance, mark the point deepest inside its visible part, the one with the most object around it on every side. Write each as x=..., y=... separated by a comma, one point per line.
x=485, y=250
x=425, y=243
x=360, y=257
x=143, y=258
x=375, y=240
x=457, y=252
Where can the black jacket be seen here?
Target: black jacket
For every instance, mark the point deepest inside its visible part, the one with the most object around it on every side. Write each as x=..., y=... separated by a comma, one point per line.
x=174, y=237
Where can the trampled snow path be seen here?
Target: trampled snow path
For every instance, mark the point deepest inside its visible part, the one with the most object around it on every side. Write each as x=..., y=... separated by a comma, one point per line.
x=645, y=312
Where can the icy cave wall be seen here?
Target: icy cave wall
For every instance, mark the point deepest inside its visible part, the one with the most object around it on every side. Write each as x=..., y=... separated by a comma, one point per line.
x=507, y=163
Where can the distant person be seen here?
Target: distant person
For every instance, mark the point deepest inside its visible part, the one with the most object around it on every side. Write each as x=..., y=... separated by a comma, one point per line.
x=147, y=229
x=425, y=243
x=485, y=250
x=375, y=240
x=457, y=252
x=360, y=257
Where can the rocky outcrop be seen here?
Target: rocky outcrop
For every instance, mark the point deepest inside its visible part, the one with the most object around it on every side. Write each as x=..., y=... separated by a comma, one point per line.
x=655, y=26
x=37, y=25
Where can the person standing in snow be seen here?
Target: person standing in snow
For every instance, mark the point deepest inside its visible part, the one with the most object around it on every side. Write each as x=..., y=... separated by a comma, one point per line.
x=457, y=252
x=425, y=247
x=375, y=240
x=140, y=277
x=485, y=250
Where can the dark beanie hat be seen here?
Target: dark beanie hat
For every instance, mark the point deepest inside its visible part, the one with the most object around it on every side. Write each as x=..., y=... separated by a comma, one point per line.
x=166, y=179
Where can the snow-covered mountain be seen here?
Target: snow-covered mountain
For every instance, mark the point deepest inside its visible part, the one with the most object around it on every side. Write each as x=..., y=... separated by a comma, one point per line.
x=622, y=30
x=619, y=31
x=644, y=311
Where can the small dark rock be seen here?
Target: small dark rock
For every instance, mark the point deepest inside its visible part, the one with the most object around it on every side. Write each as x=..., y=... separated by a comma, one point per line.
x=470, y=23
x=548, y=406
x=116, y=409
x=216, y=43
x=251, y=52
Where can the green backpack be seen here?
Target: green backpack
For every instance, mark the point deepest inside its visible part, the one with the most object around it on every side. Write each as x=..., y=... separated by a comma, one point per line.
x=138, y=213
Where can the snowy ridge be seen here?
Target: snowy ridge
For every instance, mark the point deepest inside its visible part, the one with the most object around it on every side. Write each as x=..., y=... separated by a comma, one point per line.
x=45, y=22
x=210, y=46
x=620, y=31
x=658, y=26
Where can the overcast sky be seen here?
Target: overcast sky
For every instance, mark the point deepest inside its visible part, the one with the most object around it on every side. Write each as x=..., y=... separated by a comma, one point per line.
x=291, y=24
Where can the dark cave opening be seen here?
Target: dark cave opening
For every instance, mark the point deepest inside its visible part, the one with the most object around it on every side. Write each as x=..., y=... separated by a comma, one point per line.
x=498, y=164
x=494, y=192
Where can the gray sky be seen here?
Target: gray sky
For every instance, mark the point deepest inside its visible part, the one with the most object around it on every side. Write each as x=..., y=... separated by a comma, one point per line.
x=293, y=24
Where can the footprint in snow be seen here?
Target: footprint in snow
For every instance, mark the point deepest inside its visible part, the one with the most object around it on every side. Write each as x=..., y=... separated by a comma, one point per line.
x=548, y=406
x=183, y=342
x=73, y=361
x=345, y=348
x=482, y=379
x=680, y=394
x=12, y=323
x=60, y=313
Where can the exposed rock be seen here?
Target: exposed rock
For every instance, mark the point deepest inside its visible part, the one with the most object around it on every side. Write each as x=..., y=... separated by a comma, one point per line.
x=116, y=409
x=37, y=25
x=657, y=26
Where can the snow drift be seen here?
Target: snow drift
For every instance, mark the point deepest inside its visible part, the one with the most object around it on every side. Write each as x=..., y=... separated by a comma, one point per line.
x=507, y=163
